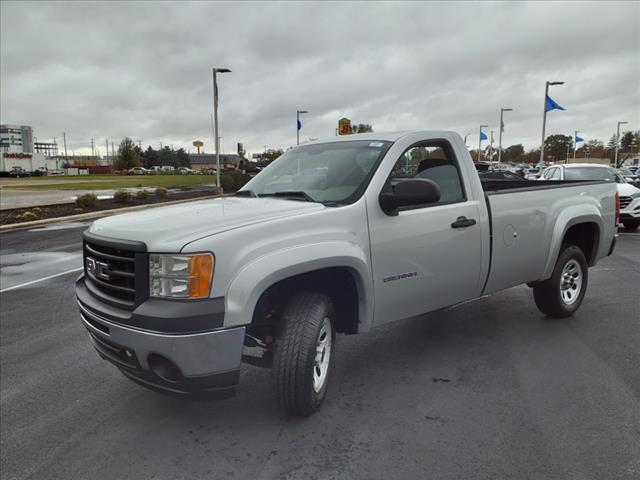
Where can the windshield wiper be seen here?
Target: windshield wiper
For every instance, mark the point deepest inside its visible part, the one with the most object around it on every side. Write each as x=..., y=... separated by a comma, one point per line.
x=290, y=194
x=245, y=193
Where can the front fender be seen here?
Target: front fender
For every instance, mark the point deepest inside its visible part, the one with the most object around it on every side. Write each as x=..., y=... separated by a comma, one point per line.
x=253, y=279
x=586, y=213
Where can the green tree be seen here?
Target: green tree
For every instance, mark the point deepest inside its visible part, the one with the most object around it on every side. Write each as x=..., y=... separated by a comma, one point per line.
x=128, y=156
x=513, y=153
x=182, y=158
x=555, y=147
x=149, y=158
x=626, y=140
x=269, y=156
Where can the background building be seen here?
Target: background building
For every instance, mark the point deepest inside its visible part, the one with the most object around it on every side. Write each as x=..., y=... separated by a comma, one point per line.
x=207, y=161
x=16, y=138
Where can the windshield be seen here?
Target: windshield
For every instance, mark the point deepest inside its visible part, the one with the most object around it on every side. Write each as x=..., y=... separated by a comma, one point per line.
x=592, y=173
x=325, y=172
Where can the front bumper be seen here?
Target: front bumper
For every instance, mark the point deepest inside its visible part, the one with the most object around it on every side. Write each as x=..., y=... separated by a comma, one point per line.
x=631, y=211
x=203, y=364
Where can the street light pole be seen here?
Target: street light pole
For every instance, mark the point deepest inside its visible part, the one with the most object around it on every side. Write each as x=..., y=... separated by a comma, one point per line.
x=465, y=139
x=544, y=117
x=615, y=165
x=215, y=116
x=298, y=112
x=480, y=140
x=502, y=110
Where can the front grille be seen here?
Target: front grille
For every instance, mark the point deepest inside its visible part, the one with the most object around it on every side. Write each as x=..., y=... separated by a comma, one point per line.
x=624, y=202
x=112, y=270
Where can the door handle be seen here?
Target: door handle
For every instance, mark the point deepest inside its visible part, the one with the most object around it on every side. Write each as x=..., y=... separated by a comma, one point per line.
x=463, y=222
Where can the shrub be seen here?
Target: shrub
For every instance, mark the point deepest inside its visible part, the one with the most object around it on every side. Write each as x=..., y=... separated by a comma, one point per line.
x=142, y=194
x=233, y=181
x=161, y=192
x=139, y=185
x=27, y=216
x=122, y=196
x=87, y=200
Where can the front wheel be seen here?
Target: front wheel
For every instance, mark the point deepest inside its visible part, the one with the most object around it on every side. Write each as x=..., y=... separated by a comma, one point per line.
x=304, y=352
x=561, y=295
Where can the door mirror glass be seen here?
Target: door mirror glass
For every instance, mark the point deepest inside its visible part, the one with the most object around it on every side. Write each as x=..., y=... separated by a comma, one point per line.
x=410, y=193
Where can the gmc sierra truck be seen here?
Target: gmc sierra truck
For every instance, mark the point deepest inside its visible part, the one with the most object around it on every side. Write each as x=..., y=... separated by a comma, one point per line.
x=337, y=236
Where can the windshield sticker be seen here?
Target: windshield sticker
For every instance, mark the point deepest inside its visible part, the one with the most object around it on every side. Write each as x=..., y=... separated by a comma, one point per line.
x=376, y=144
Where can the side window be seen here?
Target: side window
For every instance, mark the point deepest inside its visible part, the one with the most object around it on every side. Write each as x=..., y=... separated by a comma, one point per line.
x=433, y=162
x=547, y=173
x=555, y=174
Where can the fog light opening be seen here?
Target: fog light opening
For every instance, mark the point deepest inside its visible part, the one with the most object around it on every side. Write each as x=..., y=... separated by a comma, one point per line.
x=164, y=368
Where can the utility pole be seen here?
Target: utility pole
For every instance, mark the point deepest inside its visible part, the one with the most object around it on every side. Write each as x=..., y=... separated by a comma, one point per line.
x=64, y=139
x=93, y=150
x=618, y=143
x=106, y=149
x=502, y=110
x=113, y=153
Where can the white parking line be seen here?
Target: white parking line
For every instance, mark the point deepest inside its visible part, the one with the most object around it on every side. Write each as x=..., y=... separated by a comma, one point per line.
x=41, y=279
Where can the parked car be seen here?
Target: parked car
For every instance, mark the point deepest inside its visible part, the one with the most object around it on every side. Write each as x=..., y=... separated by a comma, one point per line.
x=532, y=173
x=19, y=172
x=629, y=194
x=176, y=297
x=631, y=175
x=138, y=171
x=501, y=175
x=185, y=171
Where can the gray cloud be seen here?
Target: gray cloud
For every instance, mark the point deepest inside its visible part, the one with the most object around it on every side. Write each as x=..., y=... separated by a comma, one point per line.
x=143, y=69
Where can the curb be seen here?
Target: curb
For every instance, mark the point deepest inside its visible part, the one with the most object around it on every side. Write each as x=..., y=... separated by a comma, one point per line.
x=98, y=214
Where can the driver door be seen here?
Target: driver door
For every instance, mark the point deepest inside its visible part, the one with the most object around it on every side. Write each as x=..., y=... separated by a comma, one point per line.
x=421, y=260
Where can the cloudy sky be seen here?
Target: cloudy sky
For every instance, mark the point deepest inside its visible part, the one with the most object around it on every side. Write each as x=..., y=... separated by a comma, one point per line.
x=143, y=69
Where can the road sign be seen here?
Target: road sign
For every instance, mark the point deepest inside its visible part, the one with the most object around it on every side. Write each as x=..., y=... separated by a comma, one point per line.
x=344, y=126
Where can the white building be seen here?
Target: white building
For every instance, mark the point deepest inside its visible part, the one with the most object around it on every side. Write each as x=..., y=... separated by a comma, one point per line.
x=16, y=138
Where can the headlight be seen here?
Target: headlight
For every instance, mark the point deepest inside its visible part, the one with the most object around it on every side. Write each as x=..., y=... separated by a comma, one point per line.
x=180, y=276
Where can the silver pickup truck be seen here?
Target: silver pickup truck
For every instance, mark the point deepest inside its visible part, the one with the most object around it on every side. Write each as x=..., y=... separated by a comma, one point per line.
x=337, y=236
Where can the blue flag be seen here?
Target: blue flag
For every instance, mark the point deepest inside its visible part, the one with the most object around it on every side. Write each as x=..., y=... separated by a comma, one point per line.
x=551, y=105
x=299, y=125
x=483, y=136
x=578, y=139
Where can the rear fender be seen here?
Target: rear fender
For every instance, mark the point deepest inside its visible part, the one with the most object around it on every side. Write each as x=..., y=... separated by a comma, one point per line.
x=568, y=218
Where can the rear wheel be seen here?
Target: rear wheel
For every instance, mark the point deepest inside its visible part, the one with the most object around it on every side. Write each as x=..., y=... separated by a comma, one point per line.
x=303, y=353
x=561, y=295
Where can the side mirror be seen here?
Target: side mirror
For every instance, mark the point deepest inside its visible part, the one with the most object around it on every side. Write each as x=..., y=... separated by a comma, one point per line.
x=417, y=191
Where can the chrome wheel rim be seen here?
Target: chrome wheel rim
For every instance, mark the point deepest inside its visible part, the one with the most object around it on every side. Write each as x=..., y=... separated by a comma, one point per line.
x=323, y=356
x=571, y=282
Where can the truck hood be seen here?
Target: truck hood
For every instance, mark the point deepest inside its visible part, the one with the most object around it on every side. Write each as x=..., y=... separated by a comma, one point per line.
x=171, y=227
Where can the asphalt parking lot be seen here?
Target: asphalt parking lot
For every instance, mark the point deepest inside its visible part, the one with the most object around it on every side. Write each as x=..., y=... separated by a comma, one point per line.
x=489, y=389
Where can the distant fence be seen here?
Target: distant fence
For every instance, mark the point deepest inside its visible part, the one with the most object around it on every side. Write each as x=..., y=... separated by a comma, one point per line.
x=100, y=169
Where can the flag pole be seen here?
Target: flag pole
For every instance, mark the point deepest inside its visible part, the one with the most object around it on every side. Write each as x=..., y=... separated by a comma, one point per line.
x=575, y=145
x=544, y=122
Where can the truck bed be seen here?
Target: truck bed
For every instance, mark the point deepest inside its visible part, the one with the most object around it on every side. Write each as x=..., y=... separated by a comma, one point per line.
x=522, y=223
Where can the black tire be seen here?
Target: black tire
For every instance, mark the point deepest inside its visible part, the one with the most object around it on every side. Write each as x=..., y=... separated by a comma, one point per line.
x=631, y=224
x=294, y=361
x=548, y=295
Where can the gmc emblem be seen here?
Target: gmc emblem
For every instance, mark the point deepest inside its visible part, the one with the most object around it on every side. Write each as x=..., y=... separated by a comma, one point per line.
x=97, y=269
